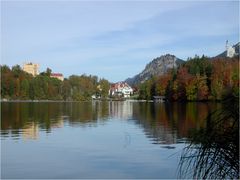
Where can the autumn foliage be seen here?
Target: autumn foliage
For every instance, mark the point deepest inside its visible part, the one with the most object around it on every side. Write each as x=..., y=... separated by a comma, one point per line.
x=19, y=85
x=198, y=79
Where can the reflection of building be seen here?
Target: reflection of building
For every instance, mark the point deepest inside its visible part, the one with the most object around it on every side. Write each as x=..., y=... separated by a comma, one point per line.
x=58, y=122
x=31, y=131
x=121, y=109
x=120, y=88
x=57, y=75
x=31, y=68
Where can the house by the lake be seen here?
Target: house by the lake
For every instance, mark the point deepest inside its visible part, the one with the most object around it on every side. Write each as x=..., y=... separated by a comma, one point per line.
x=120, y=89
x=57, y=75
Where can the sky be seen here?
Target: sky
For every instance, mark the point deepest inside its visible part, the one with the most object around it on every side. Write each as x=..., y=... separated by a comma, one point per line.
x=113, y=39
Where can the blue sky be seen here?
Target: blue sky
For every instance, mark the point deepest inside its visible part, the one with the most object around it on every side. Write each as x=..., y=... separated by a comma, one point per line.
x=113, y=39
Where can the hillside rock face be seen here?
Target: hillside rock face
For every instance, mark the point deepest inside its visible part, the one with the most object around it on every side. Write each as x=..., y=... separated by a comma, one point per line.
x=157, y=66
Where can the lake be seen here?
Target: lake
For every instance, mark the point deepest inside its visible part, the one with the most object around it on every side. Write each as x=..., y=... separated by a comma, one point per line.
x=96, y=139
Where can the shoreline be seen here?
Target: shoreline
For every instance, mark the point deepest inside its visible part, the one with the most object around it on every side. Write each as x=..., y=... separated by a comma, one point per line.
x=102, y=100
x=93, y=100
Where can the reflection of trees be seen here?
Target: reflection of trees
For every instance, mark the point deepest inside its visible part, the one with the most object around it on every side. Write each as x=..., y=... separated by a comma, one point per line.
x=166, y=123
x=214, y=150
x=155, y=121
x=162, y=122
x=86, y=113
x=26, y=116
x=45, y=116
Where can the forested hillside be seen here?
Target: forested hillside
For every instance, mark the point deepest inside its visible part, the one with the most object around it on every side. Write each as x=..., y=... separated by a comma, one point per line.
x=17, y=84
x=198, y=79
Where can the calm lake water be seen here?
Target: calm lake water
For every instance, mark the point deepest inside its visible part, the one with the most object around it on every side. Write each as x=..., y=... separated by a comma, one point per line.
x=96, y=139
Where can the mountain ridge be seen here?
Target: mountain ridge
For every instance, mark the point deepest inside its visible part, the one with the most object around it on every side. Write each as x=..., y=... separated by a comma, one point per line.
x=158, y=66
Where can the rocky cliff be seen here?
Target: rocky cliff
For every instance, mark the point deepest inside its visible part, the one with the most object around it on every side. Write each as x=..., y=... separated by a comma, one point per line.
x=157, y=66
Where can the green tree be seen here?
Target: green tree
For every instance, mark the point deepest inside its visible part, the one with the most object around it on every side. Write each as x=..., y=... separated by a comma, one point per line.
x=48, y=72
x=24, y=89
x=66, y=90
x=31, y=90
x=16, y=70
x=11, y=88
x=104, y=86
x=191, y=90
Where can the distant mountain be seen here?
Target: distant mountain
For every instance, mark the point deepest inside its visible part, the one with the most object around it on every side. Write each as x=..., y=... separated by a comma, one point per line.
x=157, y=66
x=224, y=54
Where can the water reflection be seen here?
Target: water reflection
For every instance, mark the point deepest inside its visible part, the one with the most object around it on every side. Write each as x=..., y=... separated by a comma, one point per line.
x=213, y=151
x=97, y=139
x=162, y=123
x=170, y=123
x=121, y=109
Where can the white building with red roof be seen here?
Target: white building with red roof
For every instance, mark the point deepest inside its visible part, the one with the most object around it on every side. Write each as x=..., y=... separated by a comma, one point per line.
x=120, y=88
x=57, y=75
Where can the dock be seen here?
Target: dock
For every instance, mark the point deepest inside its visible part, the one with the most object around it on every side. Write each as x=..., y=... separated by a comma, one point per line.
x=159, y=98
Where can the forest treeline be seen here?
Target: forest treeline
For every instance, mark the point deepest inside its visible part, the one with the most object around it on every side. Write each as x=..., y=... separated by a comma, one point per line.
x=17, y=84
x=198, y=79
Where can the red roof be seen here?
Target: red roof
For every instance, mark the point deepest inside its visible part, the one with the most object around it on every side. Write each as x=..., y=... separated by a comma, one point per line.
x=119, y=85
x=57, y=74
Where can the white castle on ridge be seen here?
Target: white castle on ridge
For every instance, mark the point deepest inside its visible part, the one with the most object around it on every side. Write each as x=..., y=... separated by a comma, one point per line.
x=230, y=50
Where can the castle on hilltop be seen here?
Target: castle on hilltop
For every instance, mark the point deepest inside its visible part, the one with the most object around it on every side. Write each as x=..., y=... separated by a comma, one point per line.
x=31, y=68
x=230, y=50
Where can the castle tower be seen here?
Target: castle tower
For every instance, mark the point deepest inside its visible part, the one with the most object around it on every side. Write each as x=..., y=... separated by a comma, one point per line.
x=31, y=68
x=226, y=45
x=230, y=50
